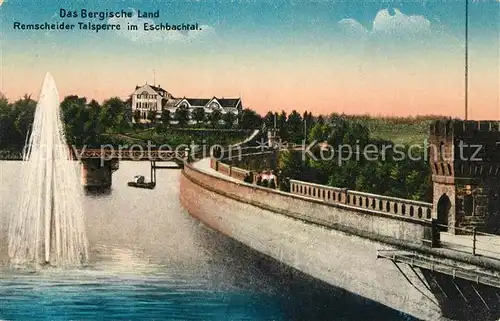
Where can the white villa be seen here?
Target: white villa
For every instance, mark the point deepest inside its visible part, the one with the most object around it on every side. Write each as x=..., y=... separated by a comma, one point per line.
x=147, y=97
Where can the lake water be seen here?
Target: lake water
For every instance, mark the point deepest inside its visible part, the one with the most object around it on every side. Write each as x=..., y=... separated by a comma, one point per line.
x=150, y=260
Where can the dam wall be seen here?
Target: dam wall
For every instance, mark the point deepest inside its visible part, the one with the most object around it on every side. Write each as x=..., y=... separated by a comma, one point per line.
x=279, y=225
x=382, y=248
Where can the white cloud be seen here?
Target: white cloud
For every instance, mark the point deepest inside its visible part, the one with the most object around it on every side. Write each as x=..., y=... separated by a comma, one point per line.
x=399, y=23
x=352, y=27
x=385, y=23
x=144, y=36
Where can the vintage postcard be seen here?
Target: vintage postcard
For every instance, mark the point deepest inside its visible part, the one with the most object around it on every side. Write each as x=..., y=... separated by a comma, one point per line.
x=250, y=160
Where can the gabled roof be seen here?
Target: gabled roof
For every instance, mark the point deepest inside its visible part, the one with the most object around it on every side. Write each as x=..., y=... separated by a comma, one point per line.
x=158, y=90
x=172, y=102
x=205, y=102
x=228, y=102
x=197, y=102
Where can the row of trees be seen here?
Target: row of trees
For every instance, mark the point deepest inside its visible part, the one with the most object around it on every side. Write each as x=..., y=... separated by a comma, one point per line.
x=89, y=123
x=248, y=119
x=388, y=174
x=15, y=121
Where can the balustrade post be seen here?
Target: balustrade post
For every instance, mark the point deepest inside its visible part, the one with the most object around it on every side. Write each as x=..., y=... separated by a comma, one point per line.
x=474, y=240
x=436, y=236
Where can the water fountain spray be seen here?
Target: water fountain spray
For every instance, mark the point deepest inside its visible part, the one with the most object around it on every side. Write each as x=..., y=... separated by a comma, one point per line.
x=48, y=226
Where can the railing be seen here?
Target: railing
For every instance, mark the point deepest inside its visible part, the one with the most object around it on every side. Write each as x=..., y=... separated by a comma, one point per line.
x=233, y=152
x=390, y=205
x=144, y=155
x=471, y=241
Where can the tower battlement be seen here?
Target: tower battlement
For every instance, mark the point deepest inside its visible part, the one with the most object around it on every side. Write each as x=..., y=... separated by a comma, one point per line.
x=463, y=127
x=465, y=165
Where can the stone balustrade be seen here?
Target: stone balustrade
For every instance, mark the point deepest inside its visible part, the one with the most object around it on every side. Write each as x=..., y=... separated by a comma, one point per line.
x=229, y=170
x=336, y=195
x=379, y=203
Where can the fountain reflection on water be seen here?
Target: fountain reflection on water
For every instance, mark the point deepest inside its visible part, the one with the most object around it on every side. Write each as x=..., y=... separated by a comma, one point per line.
x=48, y=226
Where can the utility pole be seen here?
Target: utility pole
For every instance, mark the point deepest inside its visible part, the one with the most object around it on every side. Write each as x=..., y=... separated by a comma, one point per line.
x=466, y=59
x=154, y=77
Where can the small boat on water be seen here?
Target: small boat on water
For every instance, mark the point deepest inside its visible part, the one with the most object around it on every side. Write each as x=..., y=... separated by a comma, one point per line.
x=140, y=182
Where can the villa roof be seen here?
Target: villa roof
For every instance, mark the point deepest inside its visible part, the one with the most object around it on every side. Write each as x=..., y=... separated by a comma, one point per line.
x=228, y=102
x=170, y=102
x=198, y=102
x=203, y=102
x=158, y=89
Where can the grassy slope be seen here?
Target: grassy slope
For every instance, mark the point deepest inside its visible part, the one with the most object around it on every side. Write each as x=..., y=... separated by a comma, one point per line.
x=398, y=131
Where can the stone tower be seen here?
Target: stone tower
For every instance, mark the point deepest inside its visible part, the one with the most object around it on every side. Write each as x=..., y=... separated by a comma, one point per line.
x=465, y=163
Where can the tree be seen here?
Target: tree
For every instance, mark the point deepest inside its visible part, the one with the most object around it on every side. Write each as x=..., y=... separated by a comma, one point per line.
x=290, y=164
x=72, y=107
x=215, y=118
x=250, y=119
x=294, y=127
x=229, y=118
x=5, y=123
x=113, y=115
x=128, y=109
x=83, y=122
x=182, y=115
x=22, y=114
x=137, y=116
x=281, y=125
x=3, y=101
x=198, y=115
x=165, y=117
x=269, y=119
x=152, y=116
x=320, y=132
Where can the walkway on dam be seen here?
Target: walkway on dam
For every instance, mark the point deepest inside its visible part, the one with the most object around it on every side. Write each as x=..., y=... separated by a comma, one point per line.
x=204, y=165
x=486, y=246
